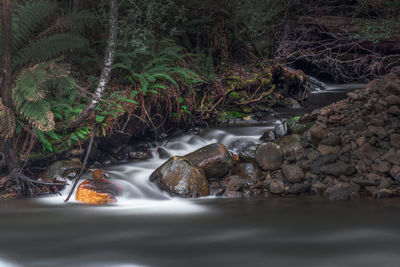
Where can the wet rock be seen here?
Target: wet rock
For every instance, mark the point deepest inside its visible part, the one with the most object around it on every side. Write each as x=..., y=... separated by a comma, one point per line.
x=293, y=173
x=300, y=128
x=291, y=103
x=338, y=168
x=269, y=156
x=306, y=165
x=248, y=153
x=313, y=154
x=142, y=146
x=378, y=131
x=216, y=188
x=98, y=190
x=318, y=188
x=385, y=193
x=394, y=110
x=335, y=119
x=353, y=96
x=343, y=191
x=180, y=177
x=393, y=100
x=346, y=158
x=140, y=155
x=326, y=150
x=395, y=140
x=235, y=183
x=268, y=136
x=61, y=170
x=366, y=151
x=237, y=146
x=388, y=85
x=248, y=170
x=276, y=187
x=364, y=182
x=392, y=156
x=374, y=177
x=357, y=125
x=317, y=134
x=395, y=173
x=233, y=194
x=281, y=129
x=214, y=159
x=298, y=188
x=385, y=183
x=162, y=153
x=382, y=166
x=322, y=161
x=291, y=146
x=372, y=190
x=334, y=140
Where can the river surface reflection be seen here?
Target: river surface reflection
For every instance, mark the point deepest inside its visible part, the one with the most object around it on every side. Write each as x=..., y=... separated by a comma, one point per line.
x=205, y=232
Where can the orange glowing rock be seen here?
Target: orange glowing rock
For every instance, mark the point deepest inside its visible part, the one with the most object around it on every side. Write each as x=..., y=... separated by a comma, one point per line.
x=98, y=190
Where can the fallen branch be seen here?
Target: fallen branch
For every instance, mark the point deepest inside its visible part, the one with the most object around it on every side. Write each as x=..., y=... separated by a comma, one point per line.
x=78, y=177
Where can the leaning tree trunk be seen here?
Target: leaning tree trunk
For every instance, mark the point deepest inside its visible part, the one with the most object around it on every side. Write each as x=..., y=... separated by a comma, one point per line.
x=6, y=84
x=106, y=73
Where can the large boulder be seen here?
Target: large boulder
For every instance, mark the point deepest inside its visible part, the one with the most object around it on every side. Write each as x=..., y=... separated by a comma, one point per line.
x=214, y=159
x=269, y=156
x=180, y=177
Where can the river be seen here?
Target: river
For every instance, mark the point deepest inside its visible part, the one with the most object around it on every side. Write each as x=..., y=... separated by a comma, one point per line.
x=149, y=228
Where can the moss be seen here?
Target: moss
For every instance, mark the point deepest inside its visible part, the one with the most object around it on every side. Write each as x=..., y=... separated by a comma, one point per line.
x=232, y=114
x=247, y=110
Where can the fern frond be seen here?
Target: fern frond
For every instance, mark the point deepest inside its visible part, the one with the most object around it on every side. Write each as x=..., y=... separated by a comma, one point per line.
x=29, y=85
x=46, y=123
x=35, y=110
x=74, y=22
x=48, y=48
x=27, y=20
x=30, y=93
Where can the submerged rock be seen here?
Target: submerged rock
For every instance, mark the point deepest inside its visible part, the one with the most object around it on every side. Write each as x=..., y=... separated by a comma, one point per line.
x=180, y=177
x=214, y=159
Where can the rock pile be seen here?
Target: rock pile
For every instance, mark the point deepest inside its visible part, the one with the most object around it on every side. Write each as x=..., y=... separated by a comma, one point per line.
x=343, y=151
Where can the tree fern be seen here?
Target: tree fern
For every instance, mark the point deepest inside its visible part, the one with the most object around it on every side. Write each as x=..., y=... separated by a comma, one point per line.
x=7, y=121
x=48, y=48
x=31, y=92
x=27, y=20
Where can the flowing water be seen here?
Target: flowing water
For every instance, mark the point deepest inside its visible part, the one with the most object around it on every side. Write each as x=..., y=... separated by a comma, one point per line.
x=149, y=228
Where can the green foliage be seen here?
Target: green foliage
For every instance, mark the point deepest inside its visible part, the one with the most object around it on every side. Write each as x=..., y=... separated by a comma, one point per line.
x=376, y=30
x=44, y=90
x=155, y=71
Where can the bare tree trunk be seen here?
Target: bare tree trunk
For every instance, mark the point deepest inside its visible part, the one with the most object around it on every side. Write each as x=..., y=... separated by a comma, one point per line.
x=6, y=85
x=106, y=72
